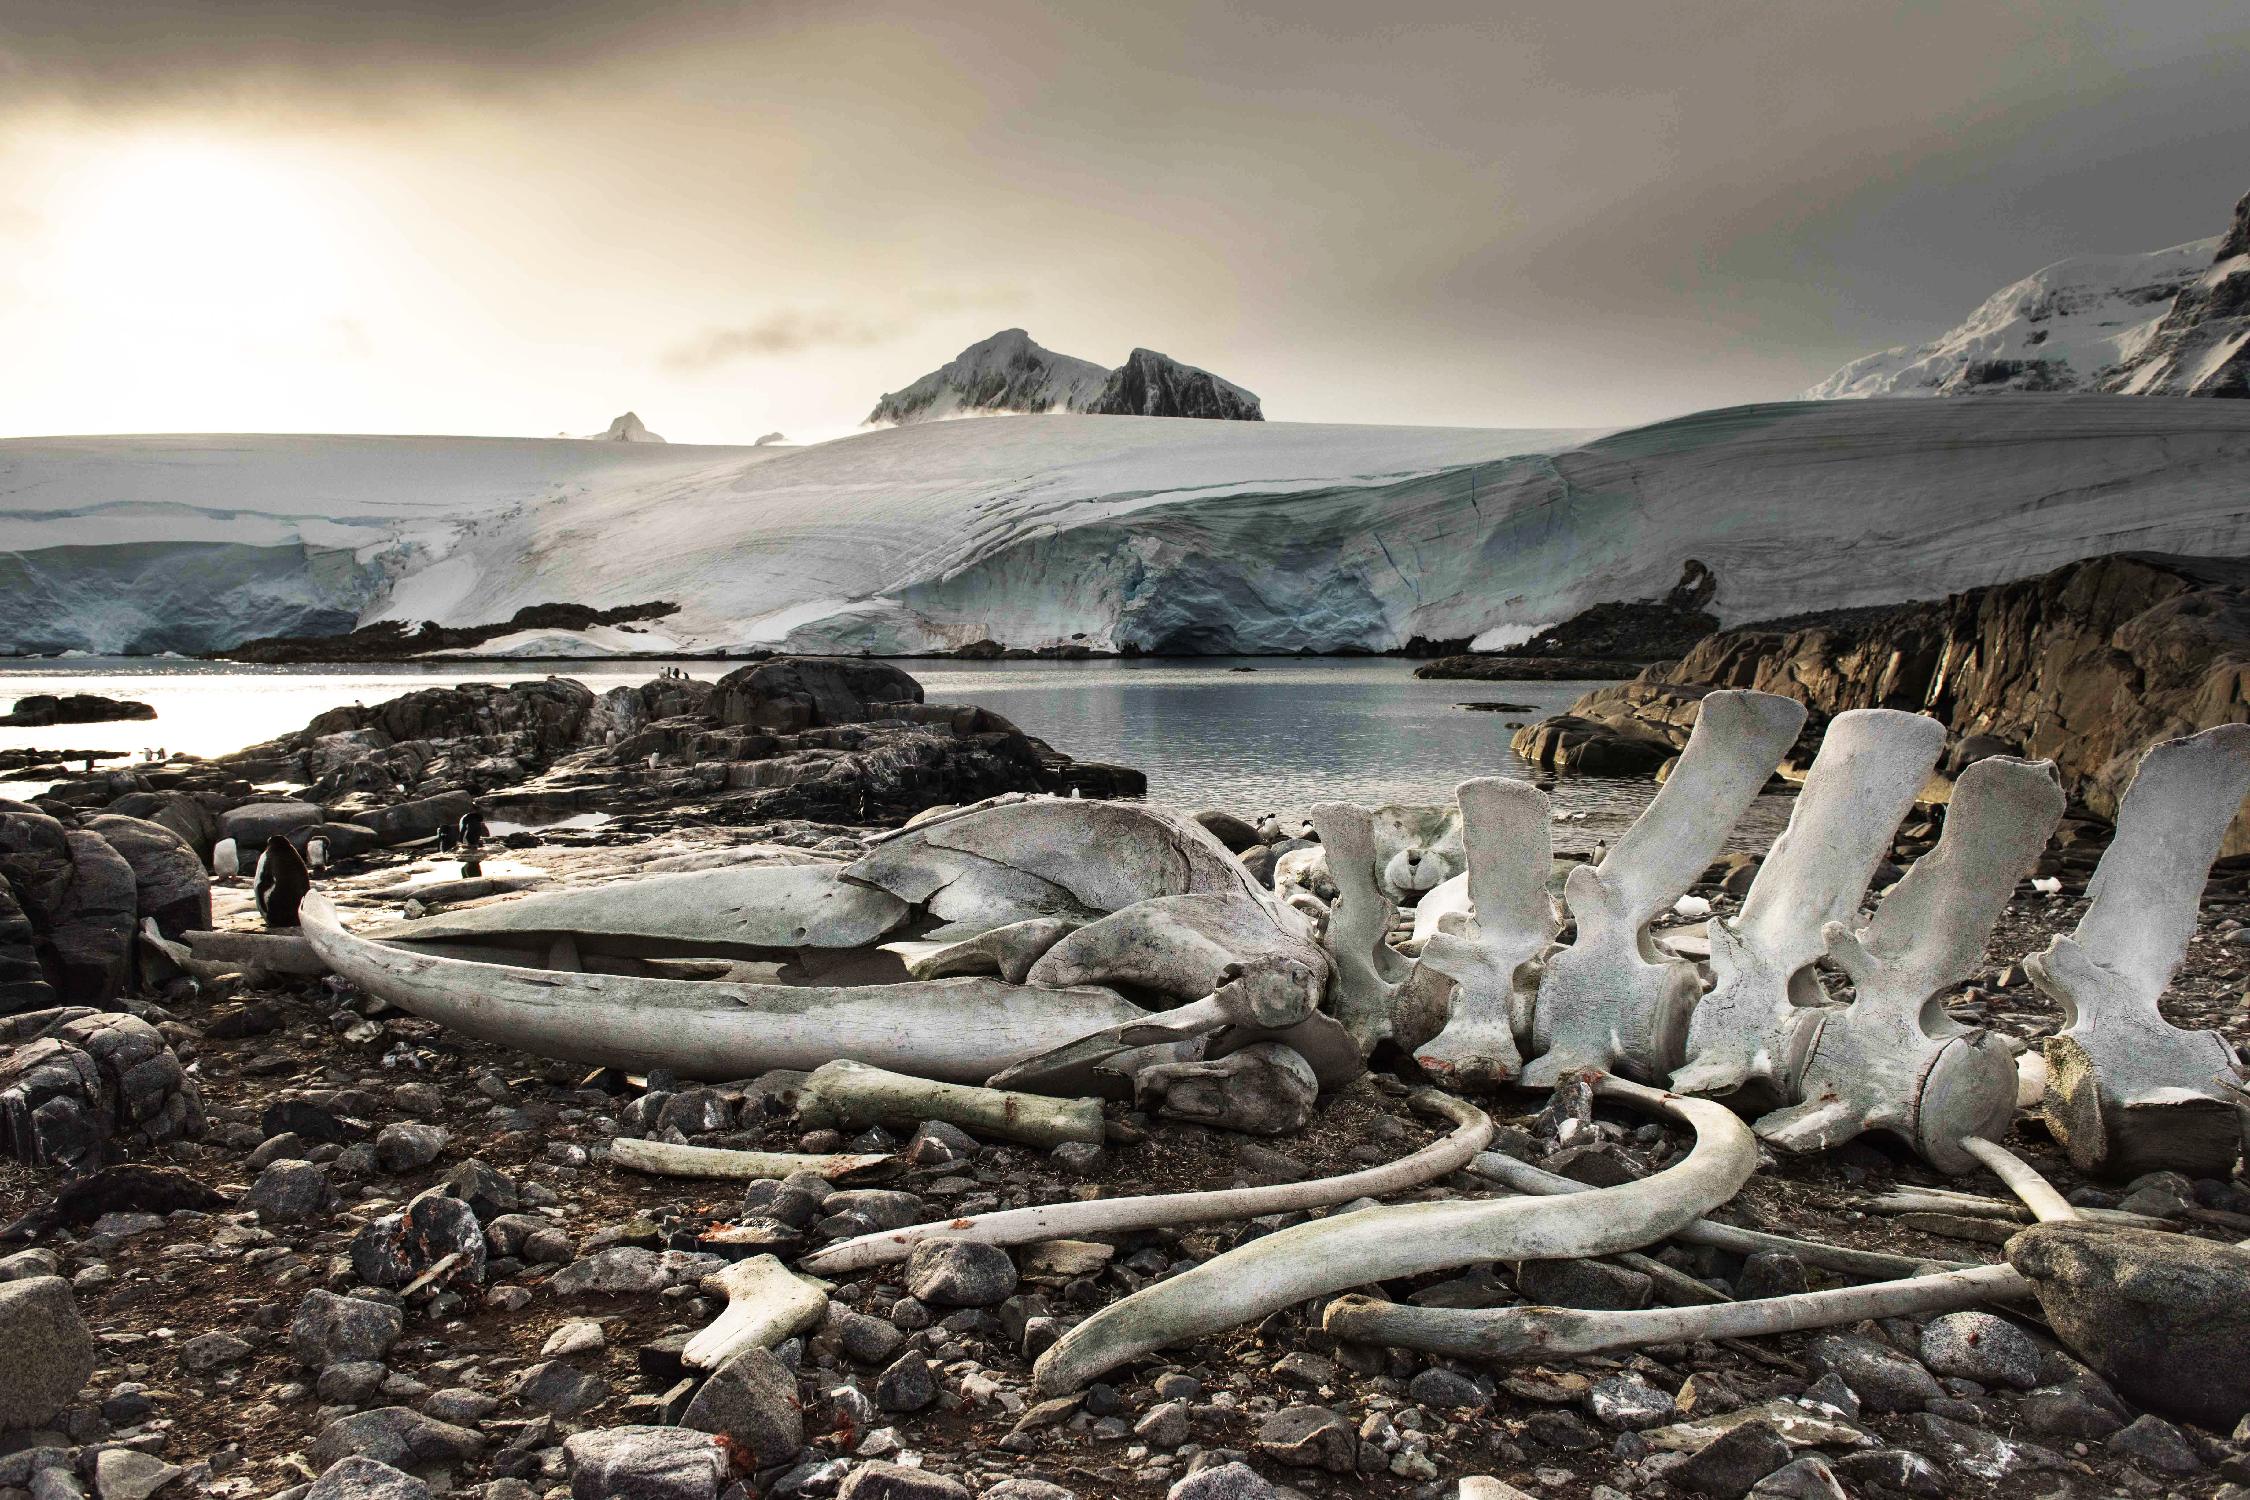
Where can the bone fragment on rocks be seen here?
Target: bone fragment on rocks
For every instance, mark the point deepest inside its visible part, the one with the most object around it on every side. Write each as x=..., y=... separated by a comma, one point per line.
x=2127, y=1090
x=1754, y=1024
x=1558, y=1332
x=1612, y=999
x=667, y=1159
x=1472, y=1129
x=766, y=1303
x=852, y=1095
x=1893, y=1060
x=1377, y=1244
x=1505, y=826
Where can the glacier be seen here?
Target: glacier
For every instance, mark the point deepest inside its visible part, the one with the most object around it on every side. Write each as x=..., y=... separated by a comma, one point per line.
x=1103, y=532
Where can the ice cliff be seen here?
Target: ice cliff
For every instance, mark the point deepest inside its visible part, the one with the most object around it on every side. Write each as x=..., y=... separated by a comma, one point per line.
x=1113, y=532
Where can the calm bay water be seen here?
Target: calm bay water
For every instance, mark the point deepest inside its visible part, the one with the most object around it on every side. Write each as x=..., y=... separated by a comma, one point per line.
x=1252, y=736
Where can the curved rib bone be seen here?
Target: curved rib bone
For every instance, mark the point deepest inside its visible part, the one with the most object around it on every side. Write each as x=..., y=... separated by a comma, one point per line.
x=1506, y=826
x=962, y=1029
x=1552, y=1332
x=766, y=1303
x=1363, y=992
x=1753, y=1026
x=2127, y=1090
x=1377, y=1244
x=1610, y=999
x=1512, y=1332
x=854, y=1096
x=1526, y=1178
x=1472, y=1129
x=1893, y=1060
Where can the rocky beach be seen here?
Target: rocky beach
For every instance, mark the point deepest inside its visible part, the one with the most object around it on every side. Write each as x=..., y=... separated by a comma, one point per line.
x=272, y=1235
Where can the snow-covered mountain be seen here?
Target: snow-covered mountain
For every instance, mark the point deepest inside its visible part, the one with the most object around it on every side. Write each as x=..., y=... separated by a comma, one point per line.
x=626, y=429
x=1010, y=373
x=1150, y=384
x=1113, y=532
x=2171, y=322
x=1004, y=373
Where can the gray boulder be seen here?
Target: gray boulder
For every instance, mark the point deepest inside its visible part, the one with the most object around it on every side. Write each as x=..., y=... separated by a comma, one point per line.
x=50, y=1350
x=1981, y=1347
x=288, y=1192
x=644, y=1463
x=880, y=1481
x=2163, y=1317
x=396, y=1435
x=251, y=824
x=365, y=1479
x=960, y=1273
x=752, y=1401
x=1882, y=1378
x=169, y=881
x=329, y=1329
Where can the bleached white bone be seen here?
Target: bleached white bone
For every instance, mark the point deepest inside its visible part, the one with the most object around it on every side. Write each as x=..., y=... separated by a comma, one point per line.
x=961, y=1029
x=853, y=1096
x=1612, y=999
x=733, y=907
x=1378, y=1244
x=1551, y=1332
x=1008, y=951
x=1267, y=1002
x=1526, y=1178
x=766, y=1303
x=1179, y=945
x=670, y=1159
x=2127, y=1090
x=1367, y=970
x=1562, y=1333
x=1472, y=1129
x=1505, y=826
x=1754, y=1024
x=1893, y=1060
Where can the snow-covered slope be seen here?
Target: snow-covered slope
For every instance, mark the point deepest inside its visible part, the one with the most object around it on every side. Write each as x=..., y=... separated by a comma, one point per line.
x=1004, y=373
x=2172, y=322
x=190, y=543
x=1126, y=532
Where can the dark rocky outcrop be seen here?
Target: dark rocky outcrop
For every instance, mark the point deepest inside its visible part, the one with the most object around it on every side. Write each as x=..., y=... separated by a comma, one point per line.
x=1150, y=384
x=1608, y=640
x=391, y=640
x=75, y=1082
x=2087, y=666
x=39, y=710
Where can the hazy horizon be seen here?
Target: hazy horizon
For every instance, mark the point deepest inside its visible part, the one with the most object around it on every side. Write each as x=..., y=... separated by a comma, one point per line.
x=239, y=216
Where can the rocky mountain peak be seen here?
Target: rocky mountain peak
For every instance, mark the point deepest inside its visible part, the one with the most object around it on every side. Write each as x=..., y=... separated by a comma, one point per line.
x=627, y=429
x=1009, y=373
x=1150, y=384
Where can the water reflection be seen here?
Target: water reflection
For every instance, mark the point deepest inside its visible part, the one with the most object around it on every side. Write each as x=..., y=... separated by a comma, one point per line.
x=1277, y=737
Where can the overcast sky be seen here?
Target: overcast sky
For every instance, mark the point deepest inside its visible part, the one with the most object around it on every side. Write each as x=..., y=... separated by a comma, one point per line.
x=507, y=217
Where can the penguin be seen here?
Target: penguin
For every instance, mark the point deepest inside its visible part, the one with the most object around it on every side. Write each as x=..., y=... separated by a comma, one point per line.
x=445, y=839
x=1307, y=832
x=655, y=758
x=1269, y=829
x=473, y=830
x=282, y=882
x=226, y=860
x=316, y=853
